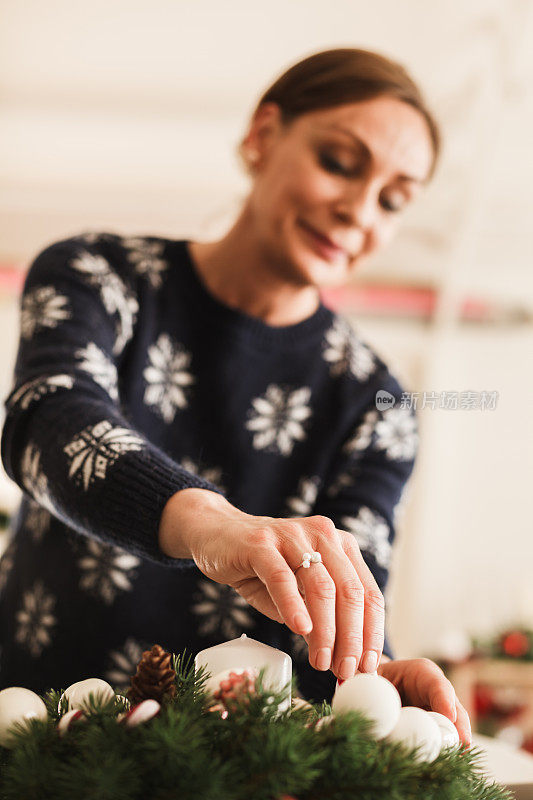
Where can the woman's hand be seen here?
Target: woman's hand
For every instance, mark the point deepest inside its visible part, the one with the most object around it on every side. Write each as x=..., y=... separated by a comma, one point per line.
x=337, y=604
x=422, y=683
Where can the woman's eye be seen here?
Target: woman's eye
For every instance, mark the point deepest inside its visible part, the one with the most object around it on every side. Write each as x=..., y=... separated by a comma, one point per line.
x=332, y=165
x=393, y=204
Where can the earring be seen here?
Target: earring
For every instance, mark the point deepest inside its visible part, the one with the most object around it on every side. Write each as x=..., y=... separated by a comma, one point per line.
x=252, y=155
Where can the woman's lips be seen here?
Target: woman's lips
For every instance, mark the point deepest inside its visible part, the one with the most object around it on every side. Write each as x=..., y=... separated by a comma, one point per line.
x=323, y=245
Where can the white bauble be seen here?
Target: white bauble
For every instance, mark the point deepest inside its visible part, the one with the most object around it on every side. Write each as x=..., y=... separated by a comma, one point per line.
x=416, y=728
x=372, y=695
x=324, y=721
x=143, y=712
x=18, y=705
x=68, y=720
x=448, y=731
x=78, y=694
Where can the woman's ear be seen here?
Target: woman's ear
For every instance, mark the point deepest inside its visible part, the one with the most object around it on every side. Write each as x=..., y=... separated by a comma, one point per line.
x=264, y=129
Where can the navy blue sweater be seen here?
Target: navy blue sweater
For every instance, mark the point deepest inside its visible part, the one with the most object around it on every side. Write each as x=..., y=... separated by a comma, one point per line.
x=132, y=382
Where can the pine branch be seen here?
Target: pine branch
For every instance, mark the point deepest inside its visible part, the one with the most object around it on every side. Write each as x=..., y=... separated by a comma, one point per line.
x=190, y=681
x=191, y=753
x=56, y=706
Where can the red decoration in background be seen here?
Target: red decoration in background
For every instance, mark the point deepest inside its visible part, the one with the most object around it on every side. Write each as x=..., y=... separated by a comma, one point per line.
x=483, y=700
x=515, y=644
x=237, y=687
x=508, y=703
x=490, y=704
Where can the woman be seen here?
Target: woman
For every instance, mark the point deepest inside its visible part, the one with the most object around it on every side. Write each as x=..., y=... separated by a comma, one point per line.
x=195, y=431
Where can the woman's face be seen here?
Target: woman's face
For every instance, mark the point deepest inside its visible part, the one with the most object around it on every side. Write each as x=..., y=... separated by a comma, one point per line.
x=330, y=189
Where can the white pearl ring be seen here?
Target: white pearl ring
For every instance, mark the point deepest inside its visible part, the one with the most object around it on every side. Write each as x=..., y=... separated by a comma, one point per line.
x=308, y=559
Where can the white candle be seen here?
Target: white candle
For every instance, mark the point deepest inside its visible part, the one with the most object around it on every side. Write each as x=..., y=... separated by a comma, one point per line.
x=245, y=653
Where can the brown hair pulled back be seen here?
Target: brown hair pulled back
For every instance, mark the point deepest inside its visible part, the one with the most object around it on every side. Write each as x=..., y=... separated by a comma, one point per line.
x=346, y=75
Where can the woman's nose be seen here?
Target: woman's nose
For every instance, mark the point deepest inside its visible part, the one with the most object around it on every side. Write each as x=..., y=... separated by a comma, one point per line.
x=358, y=207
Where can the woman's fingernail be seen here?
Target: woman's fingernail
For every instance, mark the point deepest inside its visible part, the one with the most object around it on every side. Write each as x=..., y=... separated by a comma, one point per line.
x=347, y=668
x=323, y=658
x=303, y=623
x=369, y=662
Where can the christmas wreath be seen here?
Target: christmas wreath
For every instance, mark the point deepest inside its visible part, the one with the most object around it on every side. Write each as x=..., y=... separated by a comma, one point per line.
x=516, y=643
x=173, y=738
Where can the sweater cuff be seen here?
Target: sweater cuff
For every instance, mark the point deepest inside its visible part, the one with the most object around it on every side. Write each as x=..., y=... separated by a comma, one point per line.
x=100, y=489
x=144, y=486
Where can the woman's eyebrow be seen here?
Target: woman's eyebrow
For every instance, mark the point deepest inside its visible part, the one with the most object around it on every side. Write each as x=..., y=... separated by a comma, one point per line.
x=359, y=142
x=367, y=152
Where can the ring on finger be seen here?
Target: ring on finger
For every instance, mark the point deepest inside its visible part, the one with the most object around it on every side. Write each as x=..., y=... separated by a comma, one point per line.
x=309, y=558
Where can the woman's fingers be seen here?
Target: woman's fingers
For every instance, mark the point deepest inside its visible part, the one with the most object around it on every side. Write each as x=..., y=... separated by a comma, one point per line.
x=340, y=609
x=317, y=582
x=348, y=612
x=438, y=693
x=462, y=723
x=374, y=608
x=442, y=698
x=341, y=595
x=272, y=569
x=427, y=686
x=422, y=683
x=320, y=596
x=256, y=594
x=434, y=689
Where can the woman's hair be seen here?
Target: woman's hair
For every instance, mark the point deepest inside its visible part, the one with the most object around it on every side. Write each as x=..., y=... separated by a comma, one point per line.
x=345, y=75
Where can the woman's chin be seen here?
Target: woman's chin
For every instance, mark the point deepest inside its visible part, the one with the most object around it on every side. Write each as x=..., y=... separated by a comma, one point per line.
x=320, y=272
x=318, y=269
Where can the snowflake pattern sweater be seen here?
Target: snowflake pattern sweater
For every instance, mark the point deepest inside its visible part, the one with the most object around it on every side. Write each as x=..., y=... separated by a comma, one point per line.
x=133, y=382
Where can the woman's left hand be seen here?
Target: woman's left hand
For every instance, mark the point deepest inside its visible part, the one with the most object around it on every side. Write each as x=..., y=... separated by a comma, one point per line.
x=422, y=683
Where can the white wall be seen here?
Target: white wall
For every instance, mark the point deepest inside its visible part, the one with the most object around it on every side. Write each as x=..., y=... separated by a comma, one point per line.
x=464, y=555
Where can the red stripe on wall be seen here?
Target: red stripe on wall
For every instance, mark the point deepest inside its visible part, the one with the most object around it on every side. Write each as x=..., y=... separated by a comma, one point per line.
x=11, y=279
x=375, y=299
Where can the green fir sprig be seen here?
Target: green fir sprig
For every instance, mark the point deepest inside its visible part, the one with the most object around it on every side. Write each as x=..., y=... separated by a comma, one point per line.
x=256, y=753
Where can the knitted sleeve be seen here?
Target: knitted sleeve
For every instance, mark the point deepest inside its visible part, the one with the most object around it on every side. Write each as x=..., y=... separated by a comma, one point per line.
x=66, y=440
x=370, y=475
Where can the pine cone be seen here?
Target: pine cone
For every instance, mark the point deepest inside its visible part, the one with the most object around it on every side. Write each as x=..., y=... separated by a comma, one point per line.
x=154, y=679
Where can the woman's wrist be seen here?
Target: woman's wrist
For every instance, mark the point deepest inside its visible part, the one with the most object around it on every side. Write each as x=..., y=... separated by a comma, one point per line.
x=184, y=516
